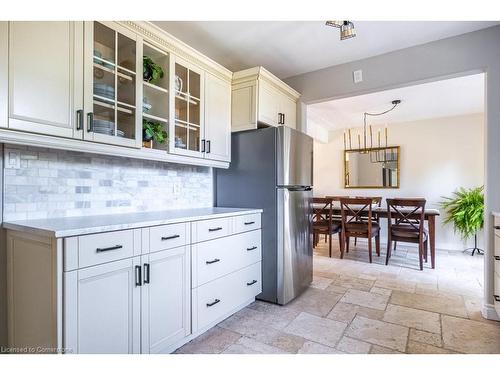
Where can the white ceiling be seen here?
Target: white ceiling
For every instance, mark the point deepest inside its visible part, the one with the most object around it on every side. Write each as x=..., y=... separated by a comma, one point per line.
x=288, y=48
x=451, y=97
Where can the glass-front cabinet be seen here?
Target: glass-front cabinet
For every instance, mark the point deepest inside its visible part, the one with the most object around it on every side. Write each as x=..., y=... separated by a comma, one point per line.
x=113, y=63
x=155, y=98
x=186, y=127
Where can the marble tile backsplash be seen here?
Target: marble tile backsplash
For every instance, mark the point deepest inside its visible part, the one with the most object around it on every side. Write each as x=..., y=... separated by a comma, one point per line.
x=53, y=183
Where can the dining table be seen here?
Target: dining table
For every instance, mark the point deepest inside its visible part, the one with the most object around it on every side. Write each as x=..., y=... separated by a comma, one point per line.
x=430, y=215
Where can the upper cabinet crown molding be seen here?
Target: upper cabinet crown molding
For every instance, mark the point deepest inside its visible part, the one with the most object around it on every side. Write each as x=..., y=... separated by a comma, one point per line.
x=261, y=73
x=165, y=40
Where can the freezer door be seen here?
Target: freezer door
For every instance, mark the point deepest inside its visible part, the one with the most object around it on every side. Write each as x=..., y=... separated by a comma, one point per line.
x=294, y=243
x=294, y=154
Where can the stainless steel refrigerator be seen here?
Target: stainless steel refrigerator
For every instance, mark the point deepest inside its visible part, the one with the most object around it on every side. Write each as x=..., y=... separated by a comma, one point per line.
x=271, y=169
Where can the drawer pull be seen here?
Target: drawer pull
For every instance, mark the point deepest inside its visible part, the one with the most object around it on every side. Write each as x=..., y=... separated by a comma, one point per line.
x=497, y=257
x=138, y=277
x=214, y=229
x=249, y=222
x=170, y=237
x=497, y=298
x=103, y=249
x=252, y=282
x=213, y=303
x=497, y=226
x=212, y=261
x=251, y=248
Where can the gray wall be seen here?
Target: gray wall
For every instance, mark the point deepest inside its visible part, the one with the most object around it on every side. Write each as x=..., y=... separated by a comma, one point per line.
x=469, y=53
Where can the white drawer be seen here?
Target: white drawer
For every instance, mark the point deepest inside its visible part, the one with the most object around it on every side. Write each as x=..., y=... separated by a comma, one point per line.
x=214, y=300
x=217, y=258
x=105, y=247
x=205, y=230
x=245, y=223
x=168, y=236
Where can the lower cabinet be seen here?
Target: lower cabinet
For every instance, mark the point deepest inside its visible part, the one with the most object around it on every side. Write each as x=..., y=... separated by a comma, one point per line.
x=135, y=305
x=166, y=302
x=103, y=308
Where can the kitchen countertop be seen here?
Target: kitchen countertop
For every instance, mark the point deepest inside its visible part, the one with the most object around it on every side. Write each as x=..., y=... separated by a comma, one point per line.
x=79, y=225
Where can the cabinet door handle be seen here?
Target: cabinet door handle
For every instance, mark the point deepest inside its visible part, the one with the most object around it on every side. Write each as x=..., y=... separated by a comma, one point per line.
x=212, y=261
x=90, y=122
x=251, y=248
x=282, y=119
x=79, y=119
x=138, y=277
x=103, y=249
x=249, y=222
x=202, y=145
x=497, y=257
x=208, y=147
x=251, y=282
x=213, y=303
x=214, y=229
x=147, y=276
x=497, y=298
x=497, y=226
x=279, y=118
x=170, y=237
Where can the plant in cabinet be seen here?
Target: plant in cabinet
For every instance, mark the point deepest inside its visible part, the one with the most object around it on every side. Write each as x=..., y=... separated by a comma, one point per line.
x=152, y=130
x=151, y=72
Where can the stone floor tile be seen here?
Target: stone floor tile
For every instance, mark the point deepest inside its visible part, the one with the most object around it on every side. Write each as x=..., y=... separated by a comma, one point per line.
x=315, y=301
x=366, y=299
x=382, y=350
x=353, y=346
x=380, y=333
x=444, y=305
x=214, y=341
x=415, y=347
x=321, y=282
x=246, y=345
x=311, y=347
x=469, y=336
x=276, y=317
x=321, y=330
x=382, y=291
x=419, y=319
x=354, y=283
x=433, y=339
x=401, y=285
x=345, y=312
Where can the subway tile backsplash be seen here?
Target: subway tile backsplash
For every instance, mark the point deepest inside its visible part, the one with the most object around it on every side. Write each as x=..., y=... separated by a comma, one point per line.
x=53, y=183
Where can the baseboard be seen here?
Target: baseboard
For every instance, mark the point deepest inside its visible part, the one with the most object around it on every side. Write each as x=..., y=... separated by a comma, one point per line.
x=489, y=312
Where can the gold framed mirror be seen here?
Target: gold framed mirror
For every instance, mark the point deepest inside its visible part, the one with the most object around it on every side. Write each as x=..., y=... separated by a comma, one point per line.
x=375, y=168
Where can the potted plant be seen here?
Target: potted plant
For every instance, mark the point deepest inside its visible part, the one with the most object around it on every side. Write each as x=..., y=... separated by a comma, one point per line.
x=466, y=211
x=152, y=130
x=151, y=71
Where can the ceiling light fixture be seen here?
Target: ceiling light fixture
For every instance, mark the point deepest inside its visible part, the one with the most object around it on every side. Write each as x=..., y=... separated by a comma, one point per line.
x=347, y=30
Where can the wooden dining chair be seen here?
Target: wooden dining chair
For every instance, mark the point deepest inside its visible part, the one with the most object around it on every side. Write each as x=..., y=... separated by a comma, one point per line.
x=324, y=223
x=405, y=220
x=377, y=201
x=352, y=210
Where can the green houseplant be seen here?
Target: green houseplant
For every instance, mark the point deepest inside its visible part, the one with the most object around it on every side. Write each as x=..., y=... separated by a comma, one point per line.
x=152, y=130
x=151, y=71
x=465, y=210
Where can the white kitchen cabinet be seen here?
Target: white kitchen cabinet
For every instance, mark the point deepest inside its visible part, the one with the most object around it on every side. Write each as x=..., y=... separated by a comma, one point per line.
x=217, y=119
x=4, y=73
x=166, y=304
x=496, y=256
x=260, y=99
x=113, y=84
x=46, y=77
x=103, y=308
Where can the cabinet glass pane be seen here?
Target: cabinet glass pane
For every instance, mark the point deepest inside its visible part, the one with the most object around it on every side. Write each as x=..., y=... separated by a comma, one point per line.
x=194, y=84
x=126, y=123
x=181, y=109
x=181, y=136
x=194, y=111
x=104, y=83
x=104, y=44
x=194, y=139
x=181, y=78
x=104, y=118
x=126, y=53
x=125, y=84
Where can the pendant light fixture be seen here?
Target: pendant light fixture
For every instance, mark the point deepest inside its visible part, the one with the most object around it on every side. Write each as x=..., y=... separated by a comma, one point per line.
x=362, y=143
x=347, y=30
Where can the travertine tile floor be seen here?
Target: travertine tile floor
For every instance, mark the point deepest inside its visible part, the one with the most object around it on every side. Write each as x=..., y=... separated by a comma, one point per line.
x=356, y=307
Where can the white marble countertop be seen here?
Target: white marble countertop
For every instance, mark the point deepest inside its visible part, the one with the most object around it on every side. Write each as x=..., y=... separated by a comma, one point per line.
x=79, y=225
